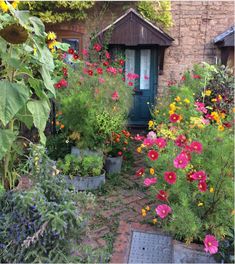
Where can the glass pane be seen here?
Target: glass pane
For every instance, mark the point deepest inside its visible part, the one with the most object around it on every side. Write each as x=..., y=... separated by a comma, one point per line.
x=130, y=62
x=74, y=43
x=145, y=69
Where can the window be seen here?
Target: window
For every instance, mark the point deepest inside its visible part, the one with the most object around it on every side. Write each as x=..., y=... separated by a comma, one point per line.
x=74, y=43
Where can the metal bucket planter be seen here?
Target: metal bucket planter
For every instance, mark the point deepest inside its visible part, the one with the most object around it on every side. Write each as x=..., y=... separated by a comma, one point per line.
x=80, y=152
x=113, y=164
x=86, y=183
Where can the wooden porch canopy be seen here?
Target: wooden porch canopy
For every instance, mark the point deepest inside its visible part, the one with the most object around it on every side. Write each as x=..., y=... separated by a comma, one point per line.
x=132, y=29
x=226, y=39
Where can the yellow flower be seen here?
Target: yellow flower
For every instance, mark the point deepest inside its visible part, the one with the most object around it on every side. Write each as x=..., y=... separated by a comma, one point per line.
x=177, y=99
x=51, y=36
x=151, y=123
x=221, y=128
x=15, y=4
x=212, y=190
x=154, y=221
x=208, y=92
x=143, y=212
x=171, y=112
x=186, y=101
x=200, y=204
x=147, y=208
x=139, y=149
x=220, y=97
x=151, y=171
x=222, y=115
x=172, y=107
x=3, y=6
x=52, y=44
x=214, y=100
x=215, y=116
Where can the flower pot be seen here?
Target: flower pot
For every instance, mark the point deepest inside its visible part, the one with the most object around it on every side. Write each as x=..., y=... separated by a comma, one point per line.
x=113, y=164
x=80, y=152
x=86, y=183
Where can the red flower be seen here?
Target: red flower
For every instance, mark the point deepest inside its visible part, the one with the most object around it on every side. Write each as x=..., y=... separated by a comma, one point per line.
x=181, y=141
x=71, y=51
x=63, y=83
x=140, y=172
x=174, y=118
x=196, y=76
x=90, y=72
x=181, y=161
x=160, y=142
x=65, y=71
x=130, y=83
x=121, y=62
x=196, y=146
x=163, y=210
x=115, y=96
x=99, y=70
x=202, y=186
x=85, y=52
x=97, y=47
x=75, y=56
x=119, y=153
x=153, y=155
x=183, y=78
x=57, y=85
x=227, y=124
x=107, y=55
x=199, y=175
x=162, y=195
x=170, y=177
x=105, y=63
x=190, y=176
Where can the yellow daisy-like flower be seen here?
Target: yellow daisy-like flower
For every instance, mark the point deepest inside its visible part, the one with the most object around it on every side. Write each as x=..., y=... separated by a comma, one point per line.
x=212, y=190
x=172, y=107
x=186, y=101
x=221, y=128
x=15, y=4
x=151, y=171
x=3, y=6
x=222, y=115
x=51, y=36
x=171, y=112
x=139, y=149
x=200, y=204
x=52, y=44
x=208, y=92
x=215, y=116
x=154, y=221
x=220, y=97
x=147, y=208
x=213, y=100
x=177, y=99
x=143, y=212
x=151, y=123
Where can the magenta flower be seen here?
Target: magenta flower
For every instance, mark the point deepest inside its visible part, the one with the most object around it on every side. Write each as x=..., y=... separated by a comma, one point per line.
x=101, y=80
x=85, y=52
x=196, y=146
x=150, y=181
x=199, y=175
x=153, y=155
x=211, y=244
x=202, y=186
x=174, y=118
x=111, y=70
x=200, y=107
x=115, y=96
x=163, y=210
x=170, y=177
x=181, y=161
x=181, y=141
x=160, y=142
x=148, y=142
x=138, y=137
x=97, y=47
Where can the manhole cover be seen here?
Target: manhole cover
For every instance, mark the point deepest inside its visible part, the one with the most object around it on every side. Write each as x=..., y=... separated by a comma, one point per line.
x=150, y=248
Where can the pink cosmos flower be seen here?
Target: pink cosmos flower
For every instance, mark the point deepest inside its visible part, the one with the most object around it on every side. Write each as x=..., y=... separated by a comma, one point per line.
x=170, y=177
x=112, y=70
x=120, y=70
x=101, y=80
x=115, y=96
x=132, y=76
x=181, y=161
x=199, y=175
x=107, y=55
x=163, y=210
x=138, y=137
x=130, y=83
x=85, y=52
x=160, y=142
x=148, y=142
x=196, y=146
x=162, y=195
x=153, y=155
x=202, y=186
x=151, y=135
x=150, y=181
x=174, y=118
x=97, y=47
x=140, y=172
x=99, y=70
x=211, y=244
x=186, y=154
x=200, y=107
x=181, y=141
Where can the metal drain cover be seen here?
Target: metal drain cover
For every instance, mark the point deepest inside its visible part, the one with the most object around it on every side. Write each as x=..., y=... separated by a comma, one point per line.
x=150, y=248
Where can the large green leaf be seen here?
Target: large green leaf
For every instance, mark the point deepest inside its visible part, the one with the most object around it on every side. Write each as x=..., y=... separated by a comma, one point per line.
x=40, y=110
x=38, y=26
x=25, y=117
x=47, y=80
x=7, y=137
x=13, y=97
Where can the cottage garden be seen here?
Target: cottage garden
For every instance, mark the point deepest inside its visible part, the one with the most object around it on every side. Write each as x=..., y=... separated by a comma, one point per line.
x=53, y=101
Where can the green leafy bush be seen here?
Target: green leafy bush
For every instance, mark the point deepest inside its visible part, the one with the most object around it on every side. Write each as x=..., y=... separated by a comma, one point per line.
x=91, y=165
x=71, y=165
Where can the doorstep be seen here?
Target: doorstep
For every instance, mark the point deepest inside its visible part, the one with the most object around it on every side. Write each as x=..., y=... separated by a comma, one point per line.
x=143, y=243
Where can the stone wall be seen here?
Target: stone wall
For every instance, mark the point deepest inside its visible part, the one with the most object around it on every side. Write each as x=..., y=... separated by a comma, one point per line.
x=196, y=23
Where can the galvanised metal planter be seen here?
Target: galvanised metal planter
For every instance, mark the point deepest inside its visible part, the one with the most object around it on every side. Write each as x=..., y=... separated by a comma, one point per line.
x=113, y=164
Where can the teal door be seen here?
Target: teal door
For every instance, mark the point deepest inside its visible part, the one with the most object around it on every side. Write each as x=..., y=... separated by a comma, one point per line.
x=142, y=61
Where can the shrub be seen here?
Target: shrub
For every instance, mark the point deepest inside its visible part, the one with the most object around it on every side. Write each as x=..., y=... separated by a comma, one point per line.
x=71, y=165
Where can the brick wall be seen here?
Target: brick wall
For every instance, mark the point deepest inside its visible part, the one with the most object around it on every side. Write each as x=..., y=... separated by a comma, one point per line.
x=196, y=23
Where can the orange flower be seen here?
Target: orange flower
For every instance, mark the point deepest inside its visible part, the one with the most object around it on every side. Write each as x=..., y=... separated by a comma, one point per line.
x=62, y=126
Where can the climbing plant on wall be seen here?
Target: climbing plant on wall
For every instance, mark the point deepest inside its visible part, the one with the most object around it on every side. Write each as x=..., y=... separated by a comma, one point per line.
x=58, y=11
x=158, y=12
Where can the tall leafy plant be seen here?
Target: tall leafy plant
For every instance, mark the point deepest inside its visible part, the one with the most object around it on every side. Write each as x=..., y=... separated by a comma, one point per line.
x=25, y=82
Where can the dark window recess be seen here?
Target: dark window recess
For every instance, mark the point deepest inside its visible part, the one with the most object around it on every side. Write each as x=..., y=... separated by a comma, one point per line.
x=74, y=43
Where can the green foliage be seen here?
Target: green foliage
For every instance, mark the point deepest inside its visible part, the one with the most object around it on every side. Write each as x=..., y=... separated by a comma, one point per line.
x=26, y=83
x=41, y=224
x=58, y=11
x=158, y=12
x=85, y=165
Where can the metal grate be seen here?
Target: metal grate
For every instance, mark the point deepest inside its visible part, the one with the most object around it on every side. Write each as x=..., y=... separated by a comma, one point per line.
x=150, y=248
